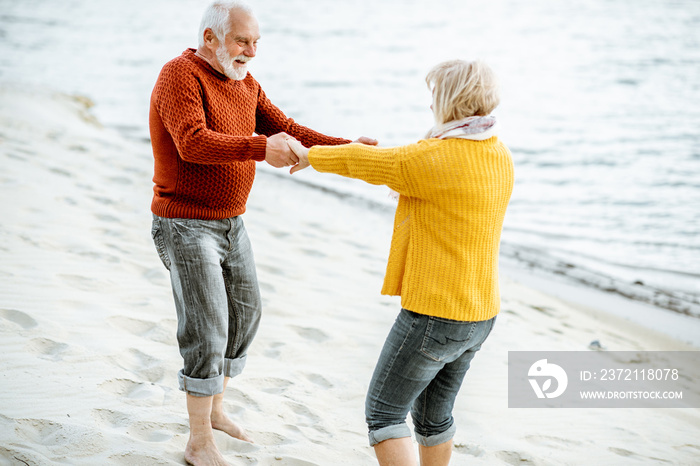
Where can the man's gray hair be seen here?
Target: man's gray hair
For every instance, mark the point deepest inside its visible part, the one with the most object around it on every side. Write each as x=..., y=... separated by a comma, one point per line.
x=216, y=18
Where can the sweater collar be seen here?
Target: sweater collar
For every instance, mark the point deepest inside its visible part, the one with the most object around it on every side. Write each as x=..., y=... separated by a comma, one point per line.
x=191, y=55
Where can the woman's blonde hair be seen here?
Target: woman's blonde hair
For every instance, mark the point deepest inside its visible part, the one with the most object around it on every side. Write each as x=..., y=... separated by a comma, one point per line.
x=462, y=89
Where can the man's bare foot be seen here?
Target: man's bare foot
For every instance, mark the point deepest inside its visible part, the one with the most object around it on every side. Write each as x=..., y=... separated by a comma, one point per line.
x=221, y=421
x=204, y=454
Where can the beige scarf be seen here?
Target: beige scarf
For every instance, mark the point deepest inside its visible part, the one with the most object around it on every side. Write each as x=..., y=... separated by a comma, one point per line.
x=477, y=128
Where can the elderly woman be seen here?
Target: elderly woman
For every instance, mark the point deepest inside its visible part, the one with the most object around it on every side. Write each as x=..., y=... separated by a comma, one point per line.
x=454, y=188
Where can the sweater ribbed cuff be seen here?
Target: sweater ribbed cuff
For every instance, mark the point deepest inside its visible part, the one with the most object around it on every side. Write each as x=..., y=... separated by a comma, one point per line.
x=258, y=147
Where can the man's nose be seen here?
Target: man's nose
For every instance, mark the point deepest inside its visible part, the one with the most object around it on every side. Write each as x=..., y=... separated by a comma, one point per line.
x=250, y=51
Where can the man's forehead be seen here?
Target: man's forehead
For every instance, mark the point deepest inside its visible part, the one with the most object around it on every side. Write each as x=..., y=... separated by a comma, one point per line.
x=244, y=26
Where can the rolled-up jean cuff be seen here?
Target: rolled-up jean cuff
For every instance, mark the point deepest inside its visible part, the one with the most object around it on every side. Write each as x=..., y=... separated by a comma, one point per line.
x=233, y=367
x=201, y=387
x=438, y=439
x=389, y=432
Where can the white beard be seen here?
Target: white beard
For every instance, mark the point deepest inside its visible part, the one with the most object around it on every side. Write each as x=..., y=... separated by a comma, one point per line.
x=227, y=62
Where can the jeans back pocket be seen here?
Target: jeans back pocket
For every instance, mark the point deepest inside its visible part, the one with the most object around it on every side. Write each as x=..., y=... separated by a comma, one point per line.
x=445, y=340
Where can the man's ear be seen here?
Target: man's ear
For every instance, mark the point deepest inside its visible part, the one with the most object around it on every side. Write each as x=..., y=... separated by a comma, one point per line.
x=210, y=39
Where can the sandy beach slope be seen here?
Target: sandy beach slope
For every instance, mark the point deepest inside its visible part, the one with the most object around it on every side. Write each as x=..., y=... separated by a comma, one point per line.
x=87, y=325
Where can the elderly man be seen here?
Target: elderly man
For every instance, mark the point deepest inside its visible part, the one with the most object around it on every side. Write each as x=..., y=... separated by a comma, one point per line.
x=205, y=109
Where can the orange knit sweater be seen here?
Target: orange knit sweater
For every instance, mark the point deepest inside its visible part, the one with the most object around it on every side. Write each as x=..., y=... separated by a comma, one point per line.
x=202, y=126
x=447, y=229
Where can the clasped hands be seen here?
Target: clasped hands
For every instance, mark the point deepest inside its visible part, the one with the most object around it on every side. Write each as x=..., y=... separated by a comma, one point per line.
x=283, y=151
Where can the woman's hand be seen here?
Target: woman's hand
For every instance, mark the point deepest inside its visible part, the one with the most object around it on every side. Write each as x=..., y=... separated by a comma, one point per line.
x=301, y=152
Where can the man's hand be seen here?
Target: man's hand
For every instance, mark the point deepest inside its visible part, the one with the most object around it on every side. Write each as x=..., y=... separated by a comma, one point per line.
x=277, y=152
x=366, y=140
x=301, y=152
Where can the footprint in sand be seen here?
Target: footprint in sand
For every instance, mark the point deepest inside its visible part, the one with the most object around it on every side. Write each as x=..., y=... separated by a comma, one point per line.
x=274, y=350
x=272, y=385
x=306, y=418
x=154, y=331
x=117, y=247
x=142, y=430
x=311, y=334
x=121, y=180
x=239, y=399
x=375, y=272
x=102, y=200
x=312, y=252
x=61, y=172
x=689, y=448
x=15, y=156
x=48, y=349
x=514, y=458
x=471, y=450
x=61, y=439
x=319, y=380
x=303, y=413
x=356, y=245
x=107, y=218
x=21, y=456
x=156, y=431
x=31, y=241
x=157, y=276
x=270, y=269
x=279, y=234
x=268, y=438
x=266, y=287
x=78, y=148
x=111, y=419
x=131, y=390
x=79, y=282
x=86, y=187
x=309, y=433
x=227, y=443
x=18, y=317
x=623, y=452
x=314, y=226
x=548, y=311
x=141, y=364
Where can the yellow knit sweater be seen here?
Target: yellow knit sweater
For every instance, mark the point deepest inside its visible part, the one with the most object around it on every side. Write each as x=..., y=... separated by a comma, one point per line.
x=454, y=193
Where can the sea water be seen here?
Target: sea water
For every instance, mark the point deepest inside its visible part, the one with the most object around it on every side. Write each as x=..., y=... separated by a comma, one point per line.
x=600, y=105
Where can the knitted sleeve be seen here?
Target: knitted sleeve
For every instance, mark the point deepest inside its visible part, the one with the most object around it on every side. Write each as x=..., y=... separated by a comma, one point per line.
x=375, y=165
x=270, y=120
x=178, y=103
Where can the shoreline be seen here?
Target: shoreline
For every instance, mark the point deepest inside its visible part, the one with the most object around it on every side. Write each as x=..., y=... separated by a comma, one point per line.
x=580, y=273
x=674, y=325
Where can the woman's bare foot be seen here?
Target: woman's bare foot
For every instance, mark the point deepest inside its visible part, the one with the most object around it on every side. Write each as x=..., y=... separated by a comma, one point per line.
x=203, y=454
x=220, y=421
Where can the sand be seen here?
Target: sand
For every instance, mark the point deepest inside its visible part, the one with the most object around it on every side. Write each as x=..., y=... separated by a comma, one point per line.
x=87, y=324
